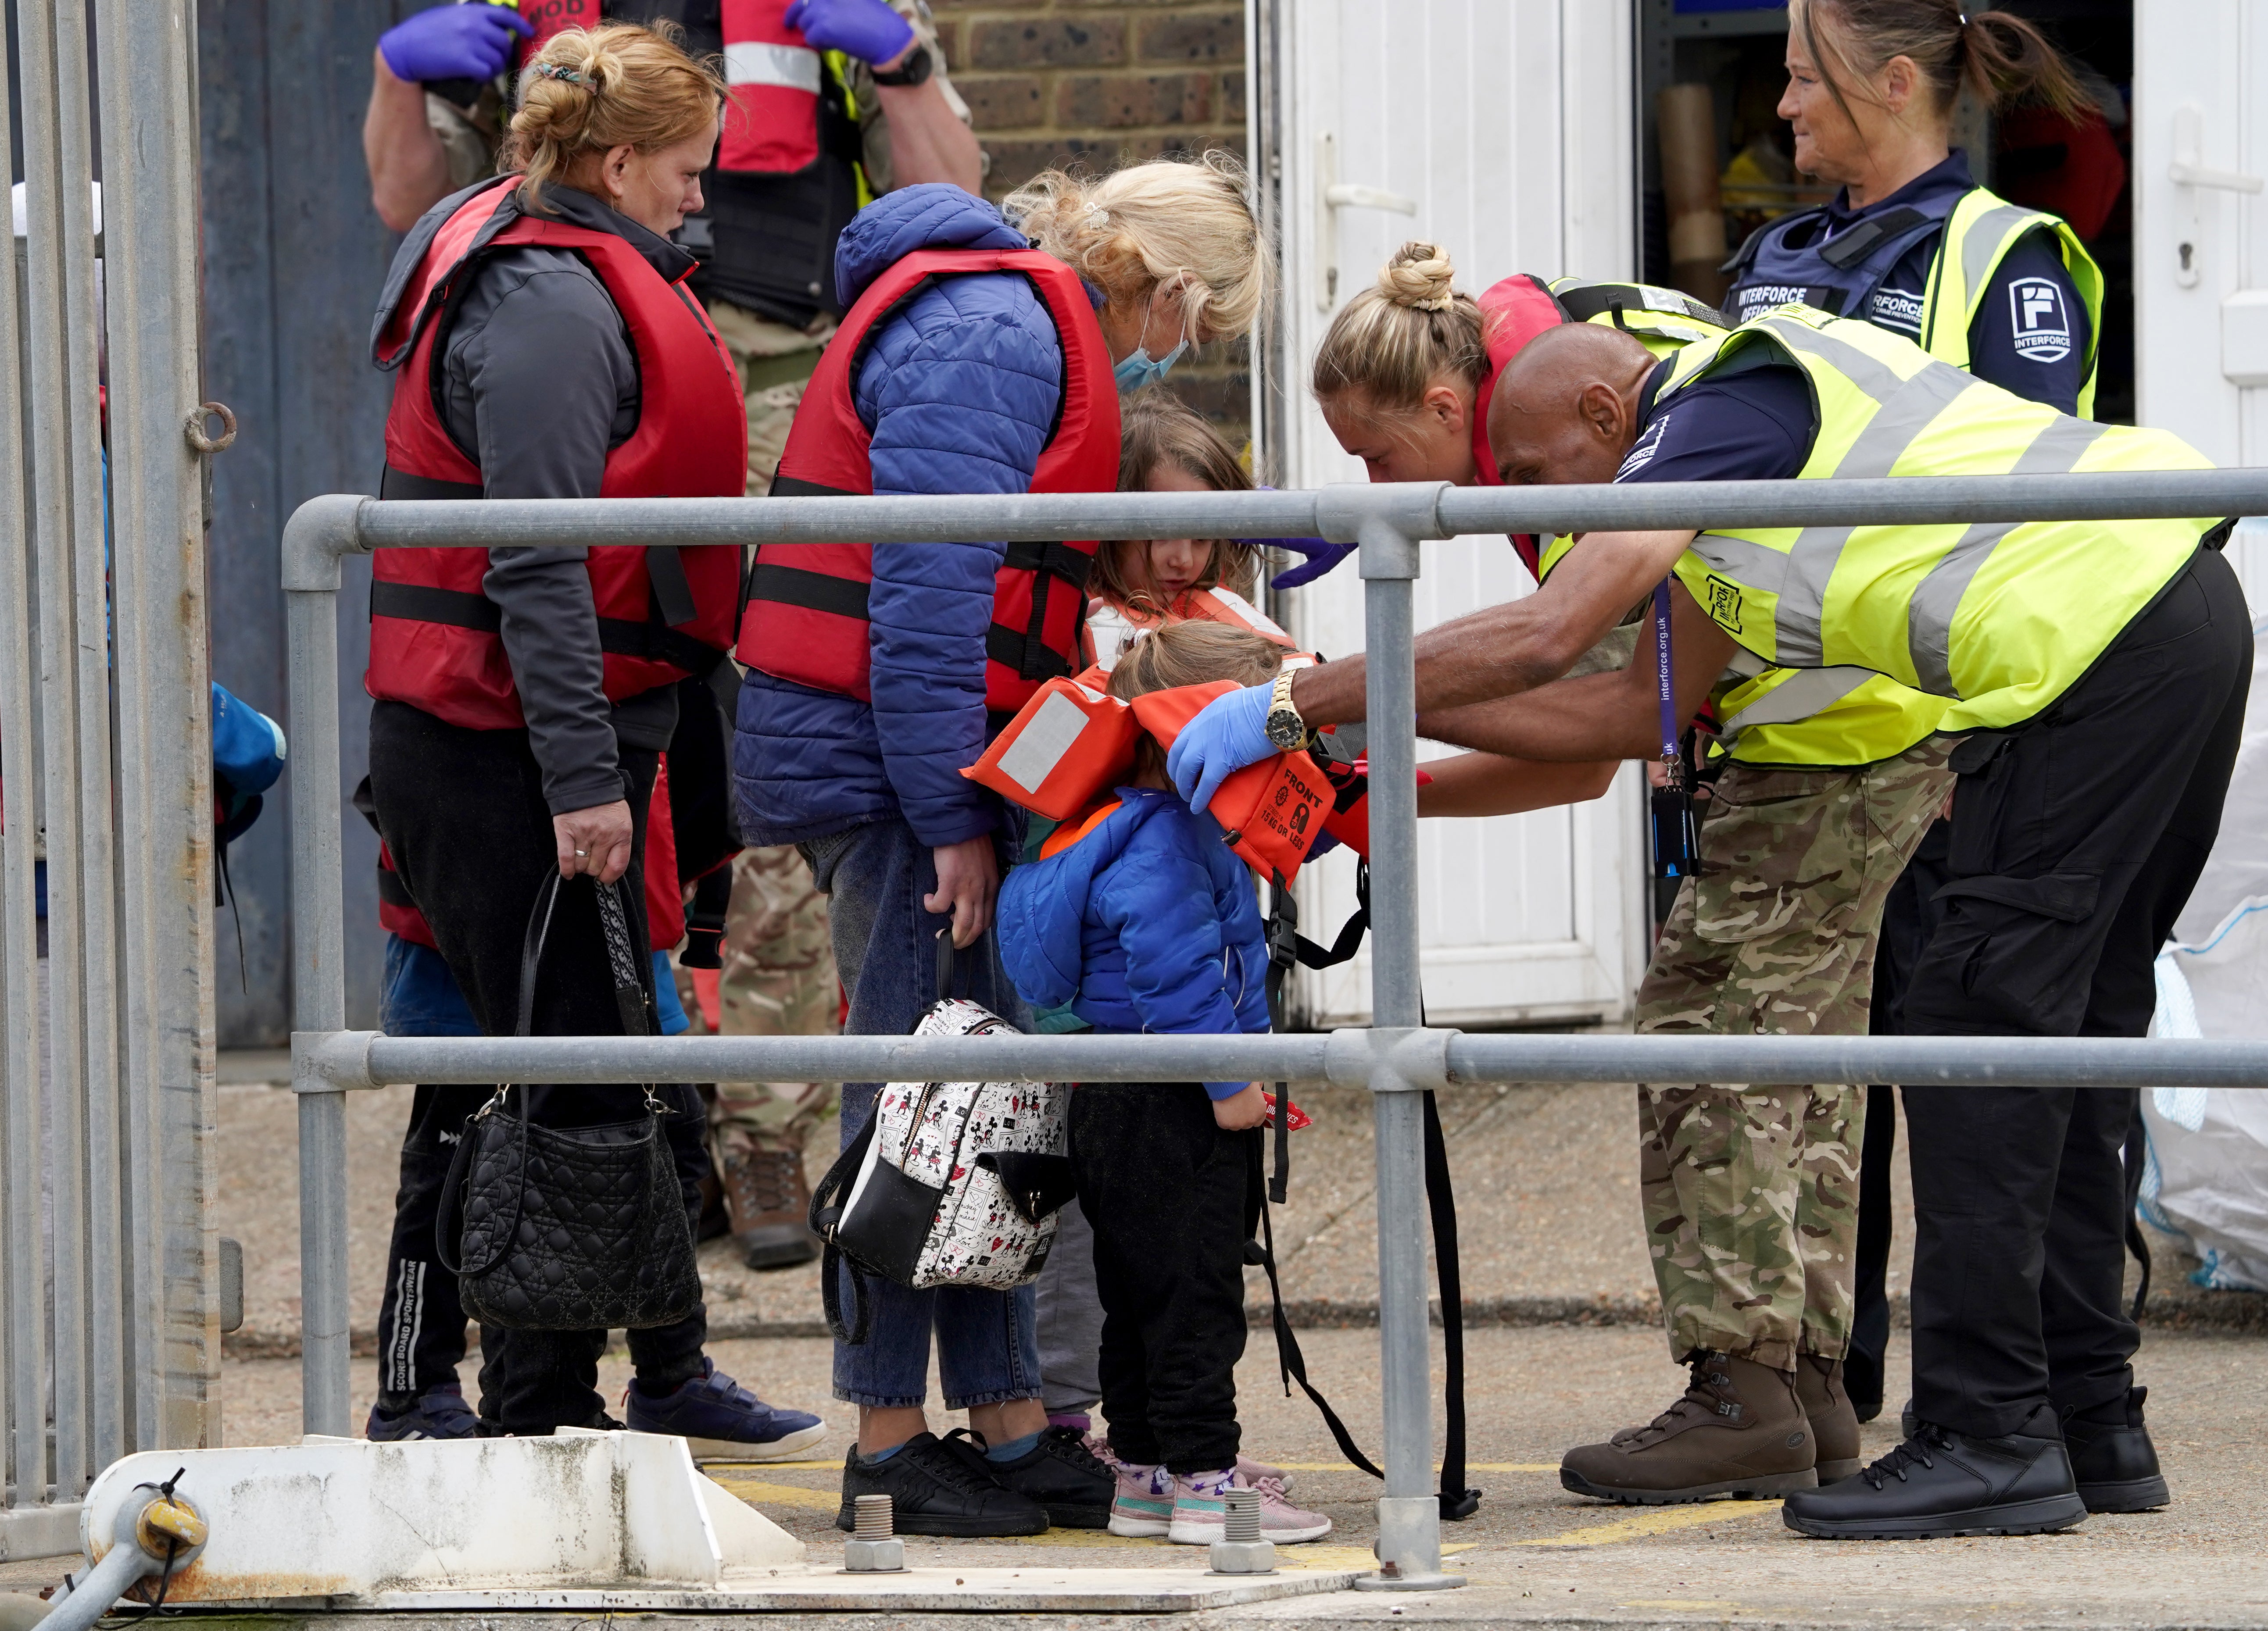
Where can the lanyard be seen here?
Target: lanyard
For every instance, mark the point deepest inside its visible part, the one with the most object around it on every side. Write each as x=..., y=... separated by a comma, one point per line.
x=1672, y=757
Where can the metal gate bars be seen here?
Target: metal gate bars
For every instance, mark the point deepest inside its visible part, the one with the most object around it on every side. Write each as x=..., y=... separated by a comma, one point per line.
x=1395, y=1058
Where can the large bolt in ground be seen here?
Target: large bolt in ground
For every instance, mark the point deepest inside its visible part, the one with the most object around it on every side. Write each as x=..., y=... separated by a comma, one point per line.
x=1240, y=1550
x=872, y=1548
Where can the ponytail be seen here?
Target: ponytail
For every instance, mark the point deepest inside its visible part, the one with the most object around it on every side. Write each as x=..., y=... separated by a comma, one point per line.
x=1999, y=58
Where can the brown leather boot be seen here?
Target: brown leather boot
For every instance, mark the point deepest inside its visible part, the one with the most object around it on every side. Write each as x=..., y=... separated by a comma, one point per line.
x=1834, y=1419
x=770, y=1204
x=1739, y=1430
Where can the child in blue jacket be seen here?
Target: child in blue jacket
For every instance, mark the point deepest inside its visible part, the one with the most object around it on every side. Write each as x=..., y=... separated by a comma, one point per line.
x=1148, y=921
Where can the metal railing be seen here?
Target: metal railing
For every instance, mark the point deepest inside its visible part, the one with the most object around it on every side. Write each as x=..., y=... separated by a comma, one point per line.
x=1393, y=1058
x=108, y=1314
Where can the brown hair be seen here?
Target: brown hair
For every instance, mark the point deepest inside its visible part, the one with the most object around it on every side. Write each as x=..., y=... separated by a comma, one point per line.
x=1393, y=340
x=1186, y=221
x=1999, y=56
x=620, y=84
x=1158, y=428
x=1190, y=654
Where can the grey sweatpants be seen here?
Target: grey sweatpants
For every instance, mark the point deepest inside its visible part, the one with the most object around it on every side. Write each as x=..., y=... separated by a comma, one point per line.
x=1070, y=1318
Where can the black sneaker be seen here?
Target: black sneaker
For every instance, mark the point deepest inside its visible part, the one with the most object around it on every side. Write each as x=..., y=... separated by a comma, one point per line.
x=1060, y=1473
x=2112, y=1459
x=1944, y=1483
x=934, y=1492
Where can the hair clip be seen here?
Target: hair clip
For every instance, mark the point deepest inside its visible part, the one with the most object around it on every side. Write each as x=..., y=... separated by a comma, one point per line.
x=552, y=70
x=1098, y=216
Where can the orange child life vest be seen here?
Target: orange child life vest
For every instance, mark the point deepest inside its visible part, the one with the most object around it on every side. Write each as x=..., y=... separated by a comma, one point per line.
x=664, y=613
x=805, y=619
x=1073, y=743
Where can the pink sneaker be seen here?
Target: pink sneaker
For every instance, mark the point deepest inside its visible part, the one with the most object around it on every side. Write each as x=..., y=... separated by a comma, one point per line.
x=1200, y=1513
x=1142, y=1507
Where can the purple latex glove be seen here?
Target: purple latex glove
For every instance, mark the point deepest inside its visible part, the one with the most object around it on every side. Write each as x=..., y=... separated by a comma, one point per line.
x=453, y=42
x=1229, y=733
x=1321, y=556
x=866, y=29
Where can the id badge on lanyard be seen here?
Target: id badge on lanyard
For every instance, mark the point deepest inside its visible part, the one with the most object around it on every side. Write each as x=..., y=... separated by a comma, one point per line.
x=1676, y=839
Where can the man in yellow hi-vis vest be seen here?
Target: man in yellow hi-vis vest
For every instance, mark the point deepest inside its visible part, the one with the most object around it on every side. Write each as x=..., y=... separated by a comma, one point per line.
x=2096, y=671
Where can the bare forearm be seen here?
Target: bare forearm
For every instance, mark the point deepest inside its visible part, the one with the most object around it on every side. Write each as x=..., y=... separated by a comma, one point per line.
x=928, y=140
x=1597, y=716
x=1502, y=651
x=1487, y=784
x=409, y=170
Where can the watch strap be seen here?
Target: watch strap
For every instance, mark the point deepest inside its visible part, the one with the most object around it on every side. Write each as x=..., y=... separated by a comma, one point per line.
x=917, y=69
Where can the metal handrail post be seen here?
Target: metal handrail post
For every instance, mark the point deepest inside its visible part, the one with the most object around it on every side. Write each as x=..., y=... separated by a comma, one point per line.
x=1389, y=523
x=318, y=534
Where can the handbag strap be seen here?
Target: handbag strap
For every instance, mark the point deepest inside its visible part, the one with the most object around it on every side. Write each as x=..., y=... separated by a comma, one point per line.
x=827, y=1200
x=633, y=998
x=946, y=966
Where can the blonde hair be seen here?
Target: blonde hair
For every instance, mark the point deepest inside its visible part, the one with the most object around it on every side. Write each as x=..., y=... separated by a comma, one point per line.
x=1998, y=55
x=1186, y=222
x=590, y=90
x=1158, y=428
x=1394, y=340
x=1189, y=654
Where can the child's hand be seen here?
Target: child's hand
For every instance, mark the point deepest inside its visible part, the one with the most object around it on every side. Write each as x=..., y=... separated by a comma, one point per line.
x=1240, y=1112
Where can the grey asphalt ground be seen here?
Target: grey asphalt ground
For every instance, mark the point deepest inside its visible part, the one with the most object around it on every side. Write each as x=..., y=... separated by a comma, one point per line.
x=1568, y=1352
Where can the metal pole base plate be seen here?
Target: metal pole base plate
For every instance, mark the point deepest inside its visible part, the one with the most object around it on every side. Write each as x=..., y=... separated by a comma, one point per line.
x=1407, y=1582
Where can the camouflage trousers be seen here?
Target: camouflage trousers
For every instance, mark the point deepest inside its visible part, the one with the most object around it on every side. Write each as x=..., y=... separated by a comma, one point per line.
x=778, y=980
x=1750, y=1192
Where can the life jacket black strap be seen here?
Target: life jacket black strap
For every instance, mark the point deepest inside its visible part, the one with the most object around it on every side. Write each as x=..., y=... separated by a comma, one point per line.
x=1850, y=248
x=400, y=484
x=620, y=637
x=814, y=592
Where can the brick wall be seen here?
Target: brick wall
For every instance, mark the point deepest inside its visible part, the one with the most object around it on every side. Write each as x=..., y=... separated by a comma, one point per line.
x=1106, y=83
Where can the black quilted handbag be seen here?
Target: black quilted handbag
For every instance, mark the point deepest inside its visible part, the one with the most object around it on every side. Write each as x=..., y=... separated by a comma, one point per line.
x=561, y=1229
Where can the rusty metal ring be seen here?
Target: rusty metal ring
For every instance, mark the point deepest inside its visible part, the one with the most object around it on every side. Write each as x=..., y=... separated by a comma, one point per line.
x=193, y=427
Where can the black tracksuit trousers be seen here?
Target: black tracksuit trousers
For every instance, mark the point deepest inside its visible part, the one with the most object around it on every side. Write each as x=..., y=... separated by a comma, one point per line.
x=463, y=814
x=2075, y=843
x=1170, y=1198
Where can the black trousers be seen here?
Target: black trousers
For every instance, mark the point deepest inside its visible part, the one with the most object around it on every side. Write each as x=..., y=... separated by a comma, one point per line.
x=1167, y=1194
x=2075, y=845
x=463, y=814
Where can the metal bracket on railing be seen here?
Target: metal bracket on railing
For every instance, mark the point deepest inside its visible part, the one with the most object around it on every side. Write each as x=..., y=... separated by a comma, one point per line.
x=1411, y=1059
x=332, y=1062
x=321, y=533
x=1358, y=511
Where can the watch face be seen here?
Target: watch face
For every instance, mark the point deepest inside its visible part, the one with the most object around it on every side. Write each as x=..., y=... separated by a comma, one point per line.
x=1285, y=730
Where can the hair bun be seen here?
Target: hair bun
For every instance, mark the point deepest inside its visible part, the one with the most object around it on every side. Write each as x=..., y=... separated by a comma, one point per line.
x=1420, y=276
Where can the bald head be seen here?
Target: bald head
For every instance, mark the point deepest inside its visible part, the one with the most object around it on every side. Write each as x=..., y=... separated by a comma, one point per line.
x=1565, y=408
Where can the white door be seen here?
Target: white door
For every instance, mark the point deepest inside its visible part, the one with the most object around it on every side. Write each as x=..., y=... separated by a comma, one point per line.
x=1503, y=130
x=2201, y=236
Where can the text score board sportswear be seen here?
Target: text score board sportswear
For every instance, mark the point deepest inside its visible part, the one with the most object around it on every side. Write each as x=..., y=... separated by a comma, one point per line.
x=866, y=29
x=453, y=41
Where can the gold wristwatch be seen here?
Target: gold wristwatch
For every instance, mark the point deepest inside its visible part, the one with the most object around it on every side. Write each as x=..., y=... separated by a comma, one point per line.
x=1284, y=727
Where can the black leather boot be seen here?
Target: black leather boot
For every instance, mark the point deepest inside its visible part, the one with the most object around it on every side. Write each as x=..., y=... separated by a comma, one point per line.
x=1944, y=1483
x=2112, y=1459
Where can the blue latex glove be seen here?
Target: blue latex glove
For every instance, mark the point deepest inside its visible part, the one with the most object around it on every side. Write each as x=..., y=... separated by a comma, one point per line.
x=866, y=29
x=1228, y=733
x=471, y=41
x=1321, y=556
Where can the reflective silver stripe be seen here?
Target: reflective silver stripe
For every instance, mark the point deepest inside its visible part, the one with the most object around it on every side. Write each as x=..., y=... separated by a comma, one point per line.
x=1907, y=407
x=1808, y=691
x=759, y=63
x=1980, y=248
x=2055, y=451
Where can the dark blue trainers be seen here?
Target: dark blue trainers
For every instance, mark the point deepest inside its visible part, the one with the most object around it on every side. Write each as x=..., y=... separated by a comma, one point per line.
x=721, y=1420
x=439, y=1412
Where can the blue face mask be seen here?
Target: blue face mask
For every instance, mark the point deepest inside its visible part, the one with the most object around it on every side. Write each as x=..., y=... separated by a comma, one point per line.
x=1141, y=369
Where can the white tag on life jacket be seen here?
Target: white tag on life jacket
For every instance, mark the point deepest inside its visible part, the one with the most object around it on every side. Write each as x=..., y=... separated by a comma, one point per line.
x=1041, y=745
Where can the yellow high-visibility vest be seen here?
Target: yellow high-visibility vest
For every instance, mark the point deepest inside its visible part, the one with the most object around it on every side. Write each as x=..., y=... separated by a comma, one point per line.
x=1998, y=618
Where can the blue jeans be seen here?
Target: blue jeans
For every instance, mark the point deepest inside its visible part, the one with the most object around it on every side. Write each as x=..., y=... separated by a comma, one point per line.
x=874, y=877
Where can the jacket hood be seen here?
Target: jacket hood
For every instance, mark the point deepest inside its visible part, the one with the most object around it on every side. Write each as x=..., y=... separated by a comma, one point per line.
x=934, y=214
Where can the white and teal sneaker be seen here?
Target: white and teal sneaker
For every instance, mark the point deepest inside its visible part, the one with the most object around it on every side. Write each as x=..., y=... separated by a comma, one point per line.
x=1143, y=1508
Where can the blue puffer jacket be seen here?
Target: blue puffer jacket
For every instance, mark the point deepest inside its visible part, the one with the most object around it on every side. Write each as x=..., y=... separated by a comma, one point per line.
x=1149, y=923
x=959, y=390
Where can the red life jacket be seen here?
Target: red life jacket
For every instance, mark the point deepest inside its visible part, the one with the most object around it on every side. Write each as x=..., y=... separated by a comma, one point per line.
x=1512, y=312
x=663, y=613
x=806, y=618
x=551, y=18
x=771, y=121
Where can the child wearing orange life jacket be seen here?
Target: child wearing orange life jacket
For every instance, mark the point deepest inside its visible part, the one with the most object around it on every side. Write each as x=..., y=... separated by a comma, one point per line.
x=1142, y=919
x=1139, y=584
